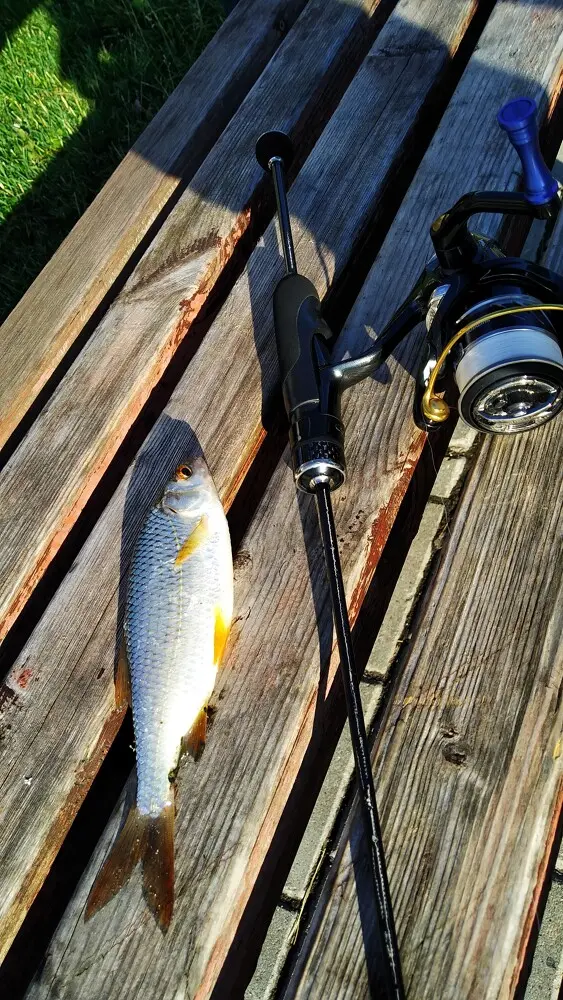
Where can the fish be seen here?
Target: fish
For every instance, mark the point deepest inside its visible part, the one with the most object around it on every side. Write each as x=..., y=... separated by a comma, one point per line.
x=179, y=606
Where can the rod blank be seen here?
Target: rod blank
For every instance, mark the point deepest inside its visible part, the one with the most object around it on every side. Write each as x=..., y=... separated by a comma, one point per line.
x=387, y=971
x=276, y=167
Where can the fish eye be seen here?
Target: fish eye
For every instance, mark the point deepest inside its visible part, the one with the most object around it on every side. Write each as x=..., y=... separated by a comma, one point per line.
x=183, y=472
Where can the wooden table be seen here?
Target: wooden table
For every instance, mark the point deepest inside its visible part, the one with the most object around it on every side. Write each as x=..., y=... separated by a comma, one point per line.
x=148, y=336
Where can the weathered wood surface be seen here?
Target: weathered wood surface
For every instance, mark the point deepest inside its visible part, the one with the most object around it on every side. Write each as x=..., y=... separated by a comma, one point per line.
x=52, y=313
x=85, y=421
x=270, y=708
x=58, y=698
x=469, y=771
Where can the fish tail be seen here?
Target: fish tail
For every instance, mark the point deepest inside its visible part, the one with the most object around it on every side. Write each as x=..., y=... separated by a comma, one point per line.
x=125, y=854
x=158, y=866
x=152, y=839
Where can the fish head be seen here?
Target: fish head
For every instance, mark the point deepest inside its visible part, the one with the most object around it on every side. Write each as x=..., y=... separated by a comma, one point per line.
x=191, y=490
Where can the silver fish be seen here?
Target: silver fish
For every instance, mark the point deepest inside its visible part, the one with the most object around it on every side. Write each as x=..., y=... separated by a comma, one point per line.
x=177, y=620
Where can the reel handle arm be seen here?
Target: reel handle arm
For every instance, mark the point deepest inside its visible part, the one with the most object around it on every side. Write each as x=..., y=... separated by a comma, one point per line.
x=541, y=198
x=456, y=247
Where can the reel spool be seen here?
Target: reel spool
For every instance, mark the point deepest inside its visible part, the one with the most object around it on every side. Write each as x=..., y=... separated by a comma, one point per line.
x=504, y=351
x=510, y=379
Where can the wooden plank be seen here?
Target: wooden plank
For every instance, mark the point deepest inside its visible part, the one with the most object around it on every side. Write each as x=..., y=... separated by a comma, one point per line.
x=85, y=421
x=469, y=770
x=270, y=708
x=49, y=317
x=58, y=698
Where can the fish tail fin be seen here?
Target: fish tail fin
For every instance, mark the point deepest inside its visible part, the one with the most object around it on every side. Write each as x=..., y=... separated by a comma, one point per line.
x=158, y=866
x=125, y=854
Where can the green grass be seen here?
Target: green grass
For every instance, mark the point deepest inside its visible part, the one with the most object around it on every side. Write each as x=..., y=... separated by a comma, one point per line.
x=79, y=80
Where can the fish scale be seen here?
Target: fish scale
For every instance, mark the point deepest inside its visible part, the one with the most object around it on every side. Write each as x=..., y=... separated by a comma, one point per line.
x=177, y=617
x=165, y=662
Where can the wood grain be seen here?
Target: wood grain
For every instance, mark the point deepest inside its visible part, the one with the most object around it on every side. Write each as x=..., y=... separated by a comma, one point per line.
x=469, y=776
x=59, y=694
x=270, y=706
x=85, y=421
x=468, y=765
x=49, y=317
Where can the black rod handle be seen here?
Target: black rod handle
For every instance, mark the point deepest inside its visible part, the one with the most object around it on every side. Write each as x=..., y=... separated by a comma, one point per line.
x=297, y=322
x=303, y=339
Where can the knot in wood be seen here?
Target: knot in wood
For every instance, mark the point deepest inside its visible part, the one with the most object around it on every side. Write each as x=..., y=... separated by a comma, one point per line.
x=456, y=753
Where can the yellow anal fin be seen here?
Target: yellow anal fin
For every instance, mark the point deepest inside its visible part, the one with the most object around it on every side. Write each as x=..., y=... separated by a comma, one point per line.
x=222, y=629
x=194, y=741
x=199, y=535
x=122, y=677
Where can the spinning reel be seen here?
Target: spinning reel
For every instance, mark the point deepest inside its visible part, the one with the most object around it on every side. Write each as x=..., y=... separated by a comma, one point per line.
x=490, y=317
x=491, y=320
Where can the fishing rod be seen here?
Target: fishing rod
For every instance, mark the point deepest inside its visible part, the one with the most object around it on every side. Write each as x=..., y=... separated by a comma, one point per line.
x=493, y=335
x=317, y=443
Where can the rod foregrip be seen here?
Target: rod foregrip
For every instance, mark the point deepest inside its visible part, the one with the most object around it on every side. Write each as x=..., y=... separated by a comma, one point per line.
x=310, y=395
x=298, y=321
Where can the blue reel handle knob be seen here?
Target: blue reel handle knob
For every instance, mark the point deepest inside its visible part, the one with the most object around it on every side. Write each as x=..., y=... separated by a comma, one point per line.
x=518, y=118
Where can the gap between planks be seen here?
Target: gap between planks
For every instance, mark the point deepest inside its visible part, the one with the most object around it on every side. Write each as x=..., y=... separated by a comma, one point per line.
x=81, y=428
x=74, y=643
x=77, y=280
x=257, y=747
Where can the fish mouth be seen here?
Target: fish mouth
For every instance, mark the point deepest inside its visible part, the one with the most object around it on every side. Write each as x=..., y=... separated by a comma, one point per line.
x=179, y=503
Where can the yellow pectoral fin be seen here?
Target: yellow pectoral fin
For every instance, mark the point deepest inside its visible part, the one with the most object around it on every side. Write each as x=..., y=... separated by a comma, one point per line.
x=198, y=536
x=222, y=629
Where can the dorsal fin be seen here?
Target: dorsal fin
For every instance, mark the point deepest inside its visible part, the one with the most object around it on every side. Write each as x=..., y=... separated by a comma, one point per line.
x=122, y=677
